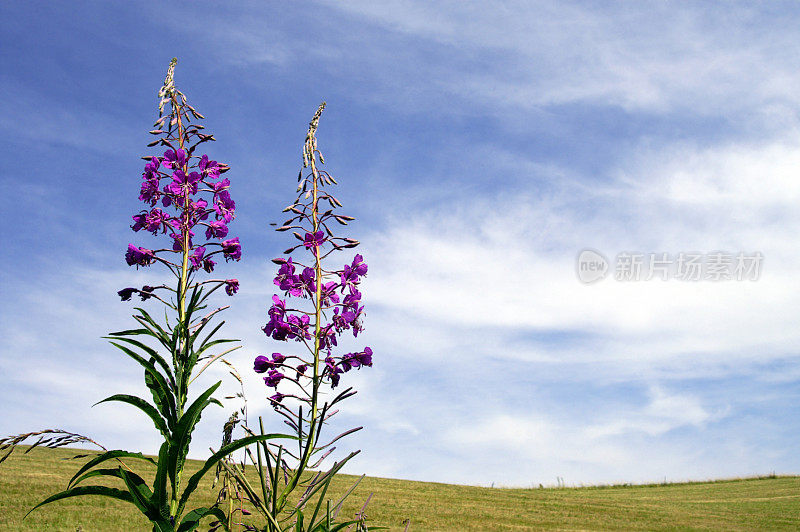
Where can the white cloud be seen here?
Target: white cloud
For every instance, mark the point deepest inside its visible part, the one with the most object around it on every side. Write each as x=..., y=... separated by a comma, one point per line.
x=656, y=58
x=491, y=264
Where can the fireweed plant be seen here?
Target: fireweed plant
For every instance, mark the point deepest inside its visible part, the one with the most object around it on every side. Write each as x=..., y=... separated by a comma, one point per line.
x=319, y=305
x=186, y=198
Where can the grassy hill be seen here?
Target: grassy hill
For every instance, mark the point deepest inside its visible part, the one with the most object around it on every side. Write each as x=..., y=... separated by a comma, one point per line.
x=749, y=504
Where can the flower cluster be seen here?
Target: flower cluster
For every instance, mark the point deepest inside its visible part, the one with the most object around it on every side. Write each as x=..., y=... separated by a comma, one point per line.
x=331, y=298
x=180, y=191
x=341, y=297
x=185, y=195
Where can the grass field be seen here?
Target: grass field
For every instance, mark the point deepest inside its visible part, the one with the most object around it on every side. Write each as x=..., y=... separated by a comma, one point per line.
x=751, y=504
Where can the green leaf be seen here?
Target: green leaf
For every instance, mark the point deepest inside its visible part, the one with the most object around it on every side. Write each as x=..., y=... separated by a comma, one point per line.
x=160, y=482
x=191, y=485
x=326, y=483
x=158, y=378
x=161, y=333
x=153, y=354
x=209, y=345
x=185, y=427
x=109, y=455
x=140, y=494
x=159, y=398
x=78, y=491
x=145, y=407
x=196, y=333
x=192, y=520
x=100, y=473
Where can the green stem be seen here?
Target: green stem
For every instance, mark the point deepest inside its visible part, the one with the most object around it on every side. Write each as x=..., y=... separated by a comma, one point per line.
x=183, y=353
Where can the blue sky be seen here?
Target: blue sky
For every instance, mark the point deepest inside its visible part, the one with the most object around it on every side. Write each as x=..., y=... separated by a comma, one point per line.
x=481, y=147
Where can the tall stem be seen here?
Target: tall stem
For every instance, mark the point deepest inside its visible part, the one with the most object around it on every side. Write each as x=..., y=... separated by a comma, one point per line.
x=183, y=353
x=317, y=306
x=185, y=243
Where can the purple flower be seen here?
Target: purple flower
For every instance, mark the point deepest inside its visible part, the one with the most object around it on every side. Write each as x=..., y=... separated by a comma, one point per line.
x=197, y=258
x=150, y=192
x=314, y=240
x=151, y=169
x=262, y=364
x=328, y=293
x=181, y=184
x=365, y=357
x=286, y=280
x=126, y=293
x=216, y=230
x=327, y=337
x=198, y=210
x=307, y=278
x=352, y=274
x=139, y=256
x=298, y=327
x=140, y=221
x=209, y=168
x=274, y=400
x=273, y=378
x=277, y=328
x=177, y=238
x=219, y=186
x=173, y=159
x=231, y=286
x=156, y=220
x=152, y=221
x=224, y=206
x=146, y=292
x=231, y=249
x=333, y=371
